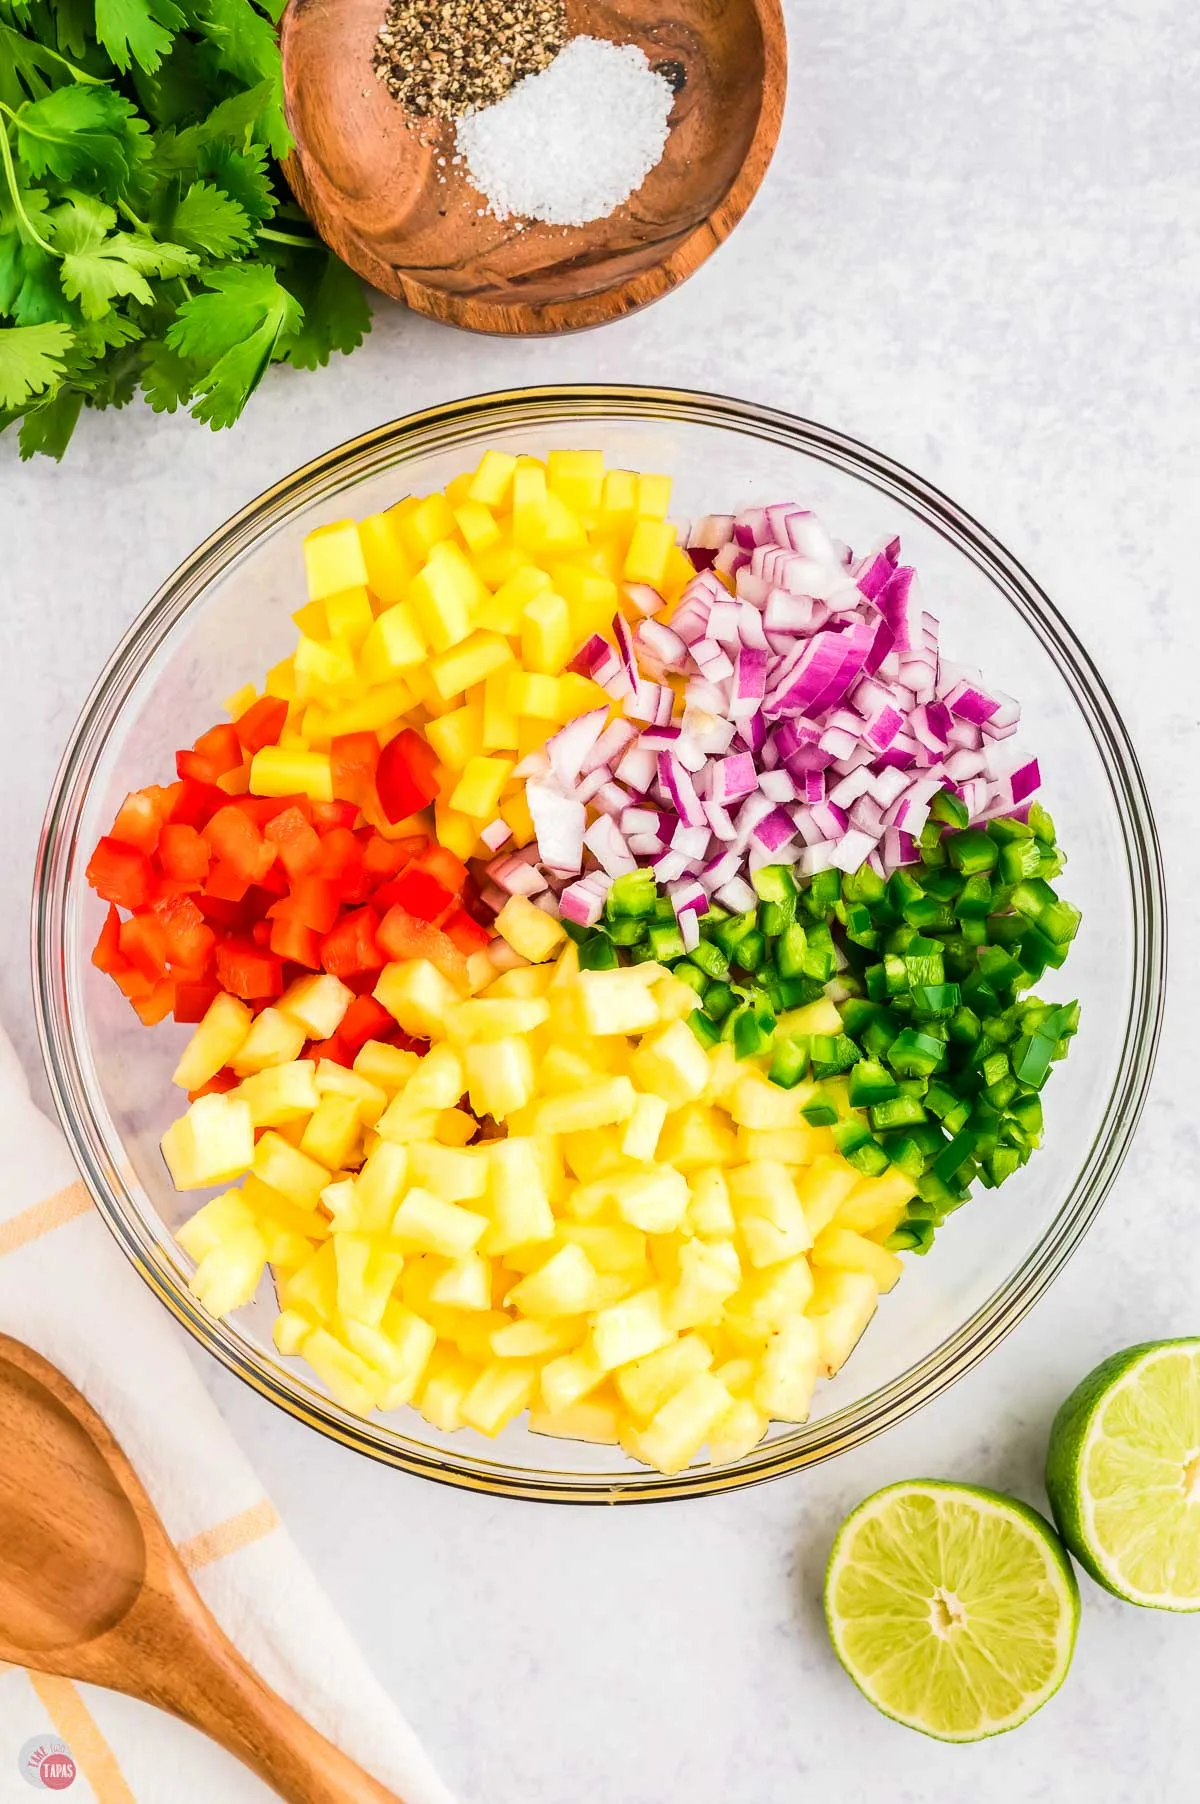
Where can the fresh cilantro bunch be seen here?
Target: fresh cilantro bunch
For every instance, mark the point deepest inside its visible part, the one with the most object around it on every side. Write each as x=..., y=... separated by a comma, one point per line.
x=146, y=240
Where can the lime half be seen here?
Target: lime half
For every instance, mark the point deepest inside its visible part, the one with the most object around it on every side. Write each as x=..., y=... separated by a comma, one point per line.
x=1123, y=1474
x=953, y=1609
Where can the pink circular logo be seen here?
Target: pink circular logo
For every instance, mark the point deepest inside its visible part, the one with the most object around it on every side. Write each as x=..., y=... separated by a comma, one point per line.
x=46, y=1763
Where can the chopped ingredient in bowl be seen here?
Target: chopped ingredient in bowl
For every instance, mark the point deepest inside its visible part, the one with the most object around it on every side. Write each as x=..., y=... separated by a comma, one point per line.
x=550, y=1075
x=443, y=58
x=570, y=145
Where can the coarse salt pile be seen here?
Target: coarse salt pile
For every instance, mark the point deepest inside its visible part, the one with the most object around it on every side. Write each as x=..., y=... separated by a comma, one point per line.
x=569, y=145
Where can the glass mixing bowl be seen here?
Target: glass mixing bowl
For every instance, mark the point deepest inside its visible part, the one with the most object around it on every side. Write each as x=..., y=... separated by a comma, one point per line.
x=225, y=616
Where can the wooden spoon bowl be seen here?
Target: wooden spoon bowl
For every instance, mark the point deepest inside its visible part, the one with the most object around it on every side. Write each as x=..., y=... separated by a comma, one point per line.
x=375, y=187
x=91, y=1588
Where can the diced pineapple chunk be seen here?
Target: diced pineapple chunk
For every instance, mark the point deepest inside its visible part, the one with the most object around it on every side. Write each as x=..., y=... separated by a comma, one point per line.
x=654, y=1199
x=317, y=1003
x=569, y=1378
x=228, y=1276
x=497, y=1017
x=789, y=1370
x=390, y=1067
x=367, y=1270
x=630, y=1329
x=646, y=1385
x=428, y=1225
x=672, y=1065
x=737, y=1433
x=502, y=1390
x=843, y=1303
x=823, y=1188
x=333, y=1131
x=465, y=1284
x=441, y=1397
x=275, y=1039
x=768, y=1211
x=643, y=1128
x=710, y=1212
x=517, y=1204
x=500, y=1076
x=209, y=1144
x=286, y=1169
x=418, y=996
x=214, y=1222
x=538, y=1339
x=876, y=1205
x=217, y=1038
x=841, y=1249
x=281, y=1094
x=617, y=1002
x=565, y=1285
x=592, y=1419
x=529, y=931
x=680, y=1428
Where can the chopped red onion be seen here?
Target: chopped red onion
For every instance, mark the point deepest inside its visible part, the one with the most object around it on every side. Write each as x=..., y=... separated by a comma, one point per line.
x=496, y=834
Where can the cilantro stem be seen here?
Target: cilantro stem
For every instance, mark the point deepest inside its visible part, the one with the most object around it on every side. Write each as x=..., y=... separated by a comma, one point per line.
x=10, y=176
x=304, y=244
x=140, y=224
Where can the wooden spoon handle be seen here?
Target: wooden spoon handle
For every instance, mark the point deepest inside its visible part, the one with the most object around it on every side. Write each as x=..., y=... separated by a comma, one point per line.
x=218, y=1693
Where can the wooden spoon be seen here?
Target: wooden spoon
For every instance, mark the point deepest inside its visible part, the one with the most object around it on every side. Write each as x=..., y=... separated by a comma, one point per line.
x=375, y=186
x=91, y=1588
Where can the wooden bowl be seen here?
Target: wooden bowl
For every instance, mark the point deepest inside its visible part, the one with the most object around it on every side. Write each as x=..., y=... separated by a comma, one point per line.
x=375, y=191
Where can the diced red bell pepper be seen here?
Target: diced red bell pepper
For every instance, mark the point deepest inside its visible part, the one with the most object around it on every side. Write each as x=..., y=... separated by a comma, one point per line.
x=145, y=945
x=106, y=955
x=192, y=1000
x=401, y=935
x=467, y=934
x=120, y=874
x=364, y=1020
x=353, y=757
x=384, y=858
x=236, y=840
x=313, y=901
x=225, y=884
x=351, y=947
x=326, y=815
x=260, y=933
x=216, y=1086
x=156, y=1006
x=296, y=842
x=196, y=800
x=183, y=854
x=138, y=821
x=421, y=894
x=261, y=724
x=449, y=871
x=341, y=859
x=248, y=971
x=221, y=746
x=190, y=941
x=291, y=939
x=406, y=775
x=335, y=1049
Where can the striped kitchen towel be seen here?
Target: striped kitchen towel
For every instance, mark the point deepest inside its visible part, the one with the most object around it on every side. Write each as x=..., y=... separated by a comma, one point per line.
x=66, y=1290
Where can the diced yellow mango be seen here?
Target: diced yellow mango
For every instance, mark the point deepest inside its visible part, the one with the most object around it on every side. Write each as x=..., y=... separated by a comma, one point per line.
x=217, y=1038
x=389, y=566
x=649, y=549
x=546, y=636
x=619, y=496
x=653, y=496
x=324, y=669
x=447, y=596
x=333, y=559
x=348, y=616
x=514, y=811
x=477, y=524
x=422, y=523
x=395, y=643
x=480, y=787
x=473, y=659
x=577, y=477
x=279, y=771
x=492, y=479
x=457, y=737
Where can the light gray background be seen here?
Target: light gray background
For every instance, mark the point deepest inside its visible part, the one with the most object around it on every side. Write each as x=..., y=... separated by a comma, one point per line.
x=977, y=248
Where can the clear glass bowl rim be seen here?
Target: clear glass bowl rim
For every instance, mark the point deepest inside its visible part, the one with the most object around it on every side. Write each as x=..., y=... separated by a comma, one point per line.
x=439, y=428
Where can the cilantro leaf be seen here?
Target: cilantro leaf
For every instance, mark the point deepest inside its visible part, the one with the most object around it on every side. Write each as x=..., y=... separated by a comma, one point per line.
x=98, y=266
x=242, y=174
x=38, y=298
x=27, y=68
x=76, y=131
x=31, y=360
x=247, y=48
x=336, y=314
x=48, y=427
x=232, y=332
x=167, y=378
x=137, y=31
x=209, y=221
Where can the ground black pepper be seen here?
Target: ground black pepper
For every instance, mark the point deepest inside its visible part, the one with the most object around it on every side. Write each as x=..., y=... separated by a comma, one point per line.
x=442, y=59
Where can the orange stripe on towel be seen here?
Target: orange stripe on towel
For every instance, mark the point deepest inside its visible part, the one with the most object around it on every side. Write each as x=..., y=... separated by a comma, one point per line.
x=228, y=1536
x=42, y=1217
x=73, y=1720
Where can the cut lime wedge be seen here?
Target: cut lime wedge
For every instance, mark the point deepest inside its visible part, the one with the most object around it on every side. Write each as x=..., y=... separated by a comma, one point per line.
x=1123, y=1474
x=953, y=1609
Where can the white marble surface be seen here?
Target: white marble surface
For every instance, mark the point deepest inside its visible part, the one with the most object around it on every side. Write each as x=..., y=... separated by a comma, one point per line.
x=978, y=248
